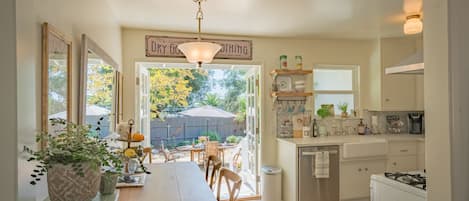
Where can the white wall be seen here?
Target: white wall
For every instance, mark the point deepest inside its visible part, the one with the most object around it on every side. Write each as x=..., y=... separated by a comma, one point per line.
x=73, y=18
x=266, y=51
x=458, y=29
x=437, y=102
x=8, y=90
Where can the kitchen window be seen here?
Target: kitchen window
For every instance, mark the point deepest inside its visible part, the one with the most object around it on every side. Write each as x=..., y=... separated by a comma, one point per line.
x=336, y=84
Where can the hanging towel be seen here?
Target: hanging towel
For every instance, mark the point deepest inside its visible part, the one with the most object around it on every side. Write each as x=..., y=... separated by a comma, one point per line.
x=321, y=165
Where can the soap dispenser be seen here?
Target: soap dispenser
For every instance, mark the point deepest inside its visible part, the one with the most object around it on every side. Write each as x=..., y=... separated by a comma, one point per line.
x=361, y=128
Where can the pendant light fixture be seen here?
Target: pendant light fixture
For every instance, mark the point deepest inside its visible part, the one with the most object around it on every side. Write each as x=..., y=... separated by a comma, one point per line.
x=413, y=25
x=199, y=52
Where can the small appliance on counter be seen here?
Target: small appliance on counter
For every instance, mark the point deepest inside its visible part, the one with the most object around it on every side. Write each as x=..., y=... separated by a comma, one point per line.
x=416, y=123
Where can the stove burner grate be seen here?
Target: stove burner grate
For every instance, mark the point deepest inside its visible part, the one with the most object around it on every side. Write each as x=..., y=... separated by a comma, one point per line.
x=415, y=180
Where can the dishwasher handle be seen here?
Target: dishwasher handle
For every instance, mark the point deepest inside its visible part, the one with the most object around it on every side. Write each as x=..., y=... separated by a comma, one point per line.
x=308, y=153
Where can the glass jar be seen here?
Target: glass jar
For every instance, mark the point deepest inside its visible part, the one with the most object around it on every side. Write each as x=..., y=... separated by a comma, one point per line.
x=283, y=62
x=299, y=62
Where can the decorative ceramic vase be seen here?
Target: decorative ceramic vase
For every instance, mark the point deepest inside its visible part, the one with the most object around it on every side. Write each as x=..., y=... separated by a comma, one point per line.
x=66, y=185
x=108, y=183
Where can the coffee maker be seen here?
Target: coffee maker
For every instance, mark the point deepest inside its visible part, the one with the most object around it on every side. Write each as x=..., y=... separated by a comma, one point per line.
x=416, y=123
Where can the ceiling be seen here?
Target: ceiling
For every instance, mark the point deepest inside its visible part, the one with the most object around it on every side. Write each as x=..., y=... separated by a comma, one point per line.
x=271, y=18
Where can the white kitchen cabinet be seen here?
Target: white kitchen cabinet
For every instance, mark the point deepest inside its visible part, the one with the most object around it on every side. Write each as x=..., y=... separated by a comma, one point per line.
x=355, y=177
x=402, y=156
x=401, y=163
x=396, y=92
x=421, y=155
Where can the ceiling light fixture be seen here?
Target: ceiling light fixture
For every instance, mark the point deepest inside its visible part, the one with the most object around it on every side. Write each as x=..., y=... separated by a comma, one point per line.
x=199, y=52
x=413, y=25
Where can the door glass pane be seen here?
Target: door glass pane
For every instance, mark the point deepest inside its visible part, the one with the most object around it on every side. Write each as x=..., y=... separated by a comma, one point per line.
x=333, y=79
x=333, y=99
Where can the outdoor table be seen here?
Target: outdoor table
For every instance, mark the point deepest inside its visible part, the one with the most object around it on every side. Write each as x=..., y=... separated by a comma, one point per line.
x=180, y=181
x=200, y=148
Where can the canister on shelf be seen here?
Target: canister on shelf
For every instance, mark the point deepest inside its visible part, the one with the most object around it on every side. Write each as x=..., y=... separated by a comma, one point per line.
x=283, y=62
x=299, y=62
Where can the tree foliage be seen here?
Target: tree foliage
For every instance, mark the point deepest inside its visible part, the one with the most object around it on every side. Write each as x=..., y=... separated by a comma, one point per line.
x=100, y=81
x=57, y=91
x=235, y=83
x=174, y=88
x=212, y=100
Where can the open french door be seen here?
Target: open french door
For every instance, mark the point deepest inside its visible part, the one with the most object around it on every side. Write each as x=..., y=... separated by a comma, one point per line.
x=250, y=150
x=143, y=104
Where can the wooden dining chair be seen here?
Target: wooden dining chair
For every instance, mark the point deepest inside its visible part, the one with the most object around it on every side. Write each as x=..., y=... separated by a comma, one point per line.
x=214, y=164
x=232, y=181
x=211, y=149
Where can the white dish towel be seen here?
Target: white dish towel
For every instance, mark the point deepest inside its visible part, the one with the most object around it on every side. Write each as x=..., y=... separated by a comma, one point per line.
x=321, y=165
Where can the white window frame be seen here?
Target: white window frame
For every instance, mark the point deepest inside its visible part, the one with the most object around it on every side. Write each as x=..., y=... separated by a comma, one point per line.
x=355, y=82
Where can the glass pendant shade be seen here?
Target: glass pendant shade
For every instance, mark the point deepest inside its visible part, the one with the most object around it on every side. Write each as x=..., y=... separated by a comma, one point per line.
x=199, y=52
x=413, y=25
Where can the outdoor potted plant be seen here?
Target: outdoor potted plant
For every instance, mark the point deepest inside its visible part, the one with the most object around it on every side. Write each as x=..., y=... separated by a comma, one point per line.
x=71, y=157
x=343, y=107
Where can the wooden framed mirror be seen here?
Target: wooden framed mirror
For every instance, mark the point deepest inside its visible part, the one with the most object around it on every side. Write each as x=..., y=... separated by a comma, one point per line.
x=99, y=92
x=56, y=75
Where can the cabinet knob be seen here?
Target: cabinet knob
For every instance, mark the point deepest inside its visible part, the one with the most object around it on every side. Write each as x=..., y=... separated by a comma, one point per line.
x=366, y=169
x=394, y=163
x=359, y=169
x=404, y=150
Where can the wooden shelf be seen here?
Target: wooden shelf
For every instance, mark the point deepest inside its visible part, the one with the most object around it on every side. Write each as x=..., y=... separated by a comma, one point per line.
x=125, y=140
x=291, y=94
x=277, y=72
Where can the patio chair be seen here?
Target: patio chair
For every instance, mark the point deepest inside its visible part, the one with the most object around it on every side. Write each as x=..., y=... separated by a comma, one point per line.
x=232, y=181
x=211, y=149
x=214, y=164
x=169, y=155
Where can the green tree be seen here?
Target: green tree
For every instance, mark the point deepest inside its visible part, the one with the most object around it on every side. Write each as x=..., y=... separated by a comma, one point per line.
x=235, y=83
x=100, y=81
x=171, y=89
x=57, y=92
x=212, y=100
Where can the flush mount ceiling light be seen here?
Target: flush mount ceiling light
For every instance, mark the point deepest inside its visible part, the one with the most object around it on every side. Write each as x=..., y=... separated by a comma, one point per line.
x=413, y=25
x=199, y=52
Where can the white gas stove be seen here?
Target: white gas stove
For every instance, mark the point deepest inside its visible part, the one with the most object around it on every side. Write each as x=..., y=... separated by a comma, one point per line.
x=399, y=186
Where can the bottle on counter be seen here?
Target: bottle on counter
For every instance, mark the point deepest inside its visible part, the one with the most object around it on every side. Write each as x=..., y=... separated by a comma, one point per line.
x=315, y=129
x=361, y=128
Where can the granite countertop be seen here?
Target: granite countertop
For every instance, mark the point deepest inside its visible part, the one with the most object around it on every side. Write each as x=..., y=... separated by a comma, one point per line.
x=340, y=140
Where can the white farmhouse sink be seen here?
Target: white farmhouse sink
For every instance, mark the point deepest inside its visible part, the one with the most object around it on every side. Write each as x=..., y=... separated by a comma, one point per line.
x=361, y=149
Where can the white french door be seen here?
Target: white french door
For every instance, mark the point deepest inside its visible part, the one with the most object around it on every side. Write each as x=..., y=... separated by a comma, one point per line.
x=250, y=151
x=143, y=104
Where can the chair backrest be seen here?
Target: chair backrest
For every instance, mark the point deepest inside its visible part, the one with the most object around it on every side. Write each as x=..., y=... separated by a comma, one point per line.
x=203, y=139
x=233, y=183
x=167, y=155
x=211, y=148
x=214, y=164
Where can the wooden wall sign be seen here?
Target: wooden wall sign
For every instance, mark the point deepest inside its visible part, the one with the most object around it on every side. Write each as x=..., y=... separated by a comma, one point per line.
x=163, y=46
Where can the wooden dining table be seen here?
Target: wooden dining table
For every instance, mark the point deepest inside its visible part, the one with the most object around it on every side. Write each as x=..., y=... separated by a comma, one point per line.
x=200, y=148
x=180, y=181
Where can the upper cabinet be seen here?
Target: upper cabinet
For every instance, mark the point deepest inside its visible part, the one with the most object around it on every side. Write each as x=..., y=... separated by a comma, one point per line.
x=397, y=92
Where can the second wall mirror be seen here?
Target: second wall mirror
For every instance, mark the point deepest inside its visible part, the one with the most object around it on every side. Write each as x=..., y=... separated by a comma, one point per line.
x=99, y=101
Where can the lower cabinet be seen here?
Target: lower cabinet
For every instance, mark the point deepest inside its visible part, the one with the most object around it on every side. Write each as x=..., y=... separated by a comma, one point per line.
x=401, y=163
x=355, y=177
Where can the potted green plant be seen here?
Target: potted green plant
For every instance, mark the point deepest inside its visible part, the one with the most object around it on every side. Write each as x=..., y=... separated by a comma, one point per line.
x=71, y=157
x=343, y=107
x=323, y=112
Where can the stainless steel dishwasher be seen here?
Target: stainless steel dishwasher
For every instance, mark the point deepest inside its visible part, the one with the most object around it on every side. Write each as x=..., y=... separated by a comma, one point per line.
x=311, y=188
